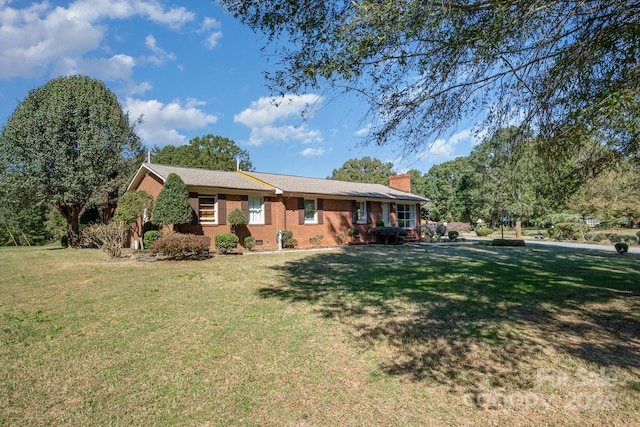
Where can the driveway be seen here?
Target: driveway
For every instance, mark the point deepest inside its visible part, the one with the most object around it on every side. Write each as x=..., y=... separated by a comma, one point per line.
x=582, y=246
x=606, y=248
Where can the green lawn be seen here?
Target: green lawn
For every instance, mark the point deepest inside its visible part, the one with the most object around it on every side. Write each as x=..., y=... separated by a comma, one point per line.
x=364, y=335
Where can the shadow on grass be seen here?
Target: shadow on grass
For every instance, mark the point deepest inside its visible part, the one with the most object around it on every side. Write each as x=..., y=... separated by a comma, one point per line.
x=468, y=314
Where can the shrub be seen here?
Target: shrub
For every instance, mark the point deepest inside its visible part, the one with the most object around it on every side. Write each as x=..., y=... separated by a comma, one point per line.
x=340, y=238
x=570, y=230
x=317, y=239
x=150, y=237
x=388, y=235
x=452, y=235
x=108, y=237
x=225, y=242
x=599, y=237
x=433, y=232
x=287, y=239
x=353, y=232
x=237, y=217
x=621, y=247
x=483, y=231
x=380, y=222
x=614, y=238
x=249, y=242
x=460, y=227
x=182, y=246
x=507, y=242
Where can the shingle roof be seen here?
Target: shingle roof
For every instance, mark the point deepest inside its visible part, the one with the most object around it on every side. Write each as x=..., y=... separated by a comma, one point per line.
x=297, y=184
x=194, y=177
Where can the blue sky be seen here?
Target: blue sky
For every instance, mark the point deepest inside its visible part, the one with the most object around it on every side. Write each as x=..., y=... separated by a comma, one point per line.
x=190, y=71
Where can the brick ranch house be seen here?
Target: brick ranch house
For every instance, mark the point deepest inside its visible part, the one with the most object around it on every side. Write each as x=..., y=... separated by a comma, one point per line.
x=271, y=202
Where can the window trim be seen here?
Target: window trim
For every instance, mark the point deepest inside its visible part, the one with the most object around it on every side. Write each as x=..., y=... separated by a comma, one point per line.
x=214, y=205
x=412, y=215
x=315, y=211
x=261, y=220
x=363, y=217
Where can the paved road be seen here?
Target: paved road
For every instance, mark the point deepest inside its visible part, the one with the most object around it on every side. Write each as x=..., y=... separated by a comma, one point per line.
x=606, y=248
x=585, y=246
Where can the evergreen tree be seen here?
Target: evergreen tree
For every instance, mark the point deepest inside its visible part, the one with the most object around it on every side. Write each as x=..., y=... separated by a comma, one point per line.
x=172, y=204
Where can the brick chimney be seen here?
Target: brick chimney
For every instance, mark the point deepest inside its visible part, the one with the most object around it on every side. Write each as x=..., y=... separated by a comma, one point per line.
x=401, y=181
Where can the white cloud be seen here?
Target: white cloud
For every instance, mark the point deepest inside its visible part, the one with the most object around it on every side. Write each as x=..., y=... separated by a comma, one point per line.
x=213, y=27
x=41, y=38
x=364, y=131
x=212, y=40
x=160, y=56
x=161, y=122
x=442, y=150
x=263, y=115
x=210, y=24
x=313, y=152
x=118, y=67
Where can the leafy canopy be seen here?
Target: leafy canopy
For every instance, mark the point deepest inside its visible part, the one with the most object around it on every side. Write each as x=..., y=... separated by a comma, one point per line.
x=567, y=69
x=172, y=204
x=366, y=169
x=132, y=206
x=207, y=152
x=66, y=143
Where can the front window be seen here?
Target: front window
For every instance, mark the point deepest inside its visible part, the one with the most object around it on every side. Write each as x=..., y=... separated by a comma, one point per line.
x=207, y=209
x=361, y=212
x=406, y=215
x=310, y=211
x=256, y=213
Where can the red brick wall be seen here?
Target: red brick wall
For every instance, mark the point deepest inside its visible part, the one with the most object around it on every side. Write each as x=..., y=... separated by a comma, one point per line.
x=401, y=181
x=337, y=217
x=151, y=184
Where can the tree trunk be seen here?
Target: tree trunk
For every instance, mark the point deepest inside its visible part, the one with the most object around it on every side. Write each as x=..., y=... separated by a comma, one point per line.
x=518, y=228
x=72, y=215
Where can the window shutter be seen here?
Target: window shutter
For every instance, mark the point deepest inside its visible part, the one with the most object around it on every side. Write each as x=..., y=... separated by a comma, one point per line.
x=354, y=212
x=301, y=210
x=222, y=209
x=195, y=207
x=320, y=208
x=244, y=206
x=369, y=216
x=267, y=211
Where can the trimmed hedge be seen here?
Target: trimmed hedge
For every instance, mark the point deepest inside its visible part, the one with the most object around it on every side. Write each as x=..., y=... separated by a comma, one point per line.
x=226, y=241
x=182, y=246
x=621, y=248
x=150, y=237
x=389, y=235
x=507, y=242
x=483, y=231
x=249, y=242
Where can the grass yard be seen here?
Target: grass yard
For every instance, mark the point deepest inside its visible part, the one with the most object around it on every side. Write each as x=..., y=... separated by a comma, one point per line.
x=366, y=335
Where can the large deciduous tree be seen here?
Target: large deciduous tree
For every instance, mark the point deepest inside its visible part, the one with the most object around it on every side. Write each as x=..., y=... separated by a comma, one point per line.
x=567, y=69
x=207, y=152
x=66, y=143
x=366, y=169
x=448, y=186
x=505, y=177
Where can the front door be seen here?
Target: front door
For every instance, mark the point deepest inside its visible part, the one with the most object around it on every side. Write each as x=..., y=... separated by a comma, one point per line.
x=386, y=214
